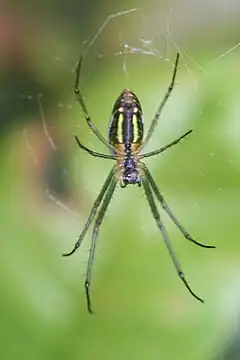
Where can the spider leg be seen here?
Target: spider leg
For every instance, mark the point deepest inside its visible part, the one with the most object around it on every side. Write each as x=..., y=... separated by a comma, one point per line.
x=99, y=219
x=166, y=239
x=94, y=153
x=168, y=210
x=93, y=212
x=156, y=152
x=79, y=97
x=163, y=102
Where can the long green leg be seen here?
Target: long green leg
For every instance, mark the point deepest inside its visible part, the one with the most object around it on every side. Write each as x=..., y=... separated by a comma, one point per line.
x=168, y=210
x=156, y=152
x=93, y=212
x=79, y=97
x=166, y=239
x=163, y=102
x=99, y=219
x=94, y=153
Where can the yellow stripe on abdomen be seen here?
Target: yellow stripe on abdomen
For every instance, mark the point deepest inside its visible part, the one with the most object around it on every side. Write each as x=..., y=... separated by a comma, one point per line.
x=120, y=128
x=135, y=128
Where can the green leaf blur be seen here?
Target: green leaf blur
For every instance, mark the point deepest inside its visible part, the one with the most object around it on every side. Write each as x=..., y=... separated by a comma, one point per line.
x=142, y=310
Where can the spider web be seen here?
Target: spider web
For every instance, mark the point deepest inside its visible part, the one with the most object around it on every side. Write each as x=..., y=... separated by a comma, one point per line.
x=141, y=47
x=144, y=46
x=139, y=44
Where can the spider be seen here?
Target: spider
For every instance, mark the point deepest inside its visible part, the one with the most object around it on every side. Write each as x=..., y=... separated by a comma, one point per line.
x=125, y=142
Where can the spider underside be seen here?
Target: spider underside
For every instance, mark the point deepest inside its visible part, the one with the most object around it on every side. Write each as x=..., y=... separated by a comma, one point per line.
x=125, y=142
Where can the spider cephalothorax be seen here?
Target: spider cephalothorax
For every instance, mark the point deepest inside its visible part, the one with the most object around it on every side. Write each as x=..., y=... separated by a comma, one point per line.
x=130, y=172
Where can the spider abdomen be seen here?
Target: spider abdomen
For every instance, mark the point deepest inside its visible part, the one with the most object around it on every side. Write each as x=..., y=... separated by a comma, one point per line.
x=126, y=124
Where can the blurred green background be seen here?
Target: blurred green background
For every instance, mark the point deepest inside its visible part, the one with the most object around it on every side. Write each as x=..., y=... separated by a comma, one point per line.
x=142, y=310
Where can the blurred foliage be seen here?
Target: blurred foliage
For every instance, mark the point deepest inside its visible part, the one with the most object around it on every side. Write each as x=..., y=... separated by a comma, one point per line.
x=142, y=310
